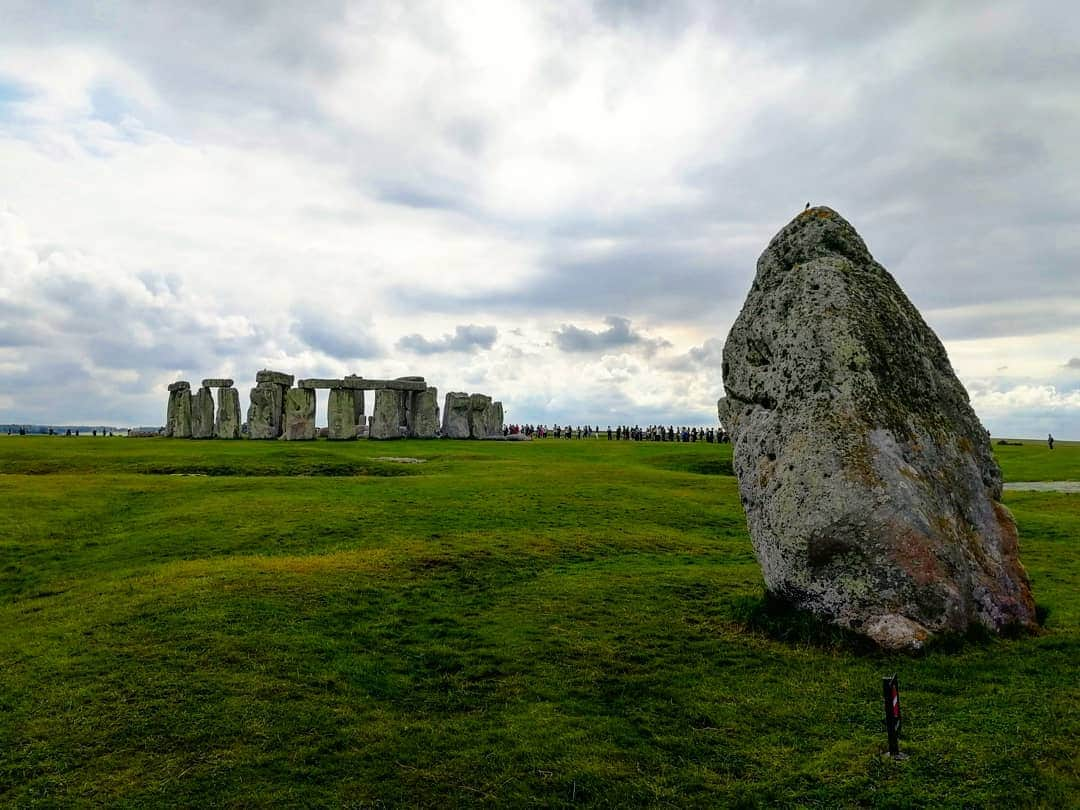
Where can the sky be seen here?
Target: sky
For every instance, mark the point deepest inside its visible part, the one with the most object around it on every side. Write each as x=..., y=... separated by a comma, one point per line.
x=560, y=205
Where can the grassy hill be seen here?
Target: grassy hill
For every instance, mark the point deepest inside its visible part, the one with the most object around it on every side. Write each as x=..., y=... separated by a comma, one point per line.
x=550, y=623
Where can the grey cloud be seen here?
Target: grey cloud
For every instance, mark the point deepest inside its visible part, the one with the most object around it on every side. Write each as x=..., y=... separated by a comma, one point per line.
x=708, y=356
x=466, y=338
x=1074, y=362
x=343, y=338
x=618, y=335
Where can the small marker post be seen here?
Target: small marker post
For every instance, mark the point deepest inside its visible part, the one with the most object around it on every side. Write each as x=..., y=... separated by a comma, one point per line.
x=891, y=692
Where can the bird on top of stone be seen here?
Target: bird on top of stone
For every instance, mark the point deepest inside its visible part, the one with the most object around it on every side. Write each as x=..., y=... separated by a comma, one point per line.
x=807, y=207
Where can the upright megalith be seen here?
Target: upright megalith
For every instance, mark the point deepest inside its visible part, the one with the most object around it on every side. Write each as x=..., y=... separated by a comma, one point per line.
x=495, y=419
x=870, y=490
x=479, y=416
x=456, y=416
x=341, y=414
x=202, y=414
x=178, y=413
x=388, y=415
x=227, y=424
x=423, y=414
x=299, y=414
x=266, y=413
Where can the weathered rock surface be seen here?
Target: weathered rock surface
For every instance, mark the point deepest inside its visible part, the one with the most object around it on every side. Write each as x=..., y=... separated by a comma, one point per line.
x=299, y=414
x=202, y=414
x=424, y=414
x=456, y=416
x=388, y=415
x=217, y=382
x=227, y=424
x=341, y=414
x=869, y=486
x=178, y=415
x=275, y=377
x=179, y=385
x=266, y=411
x=495, y=419
x=479, y=415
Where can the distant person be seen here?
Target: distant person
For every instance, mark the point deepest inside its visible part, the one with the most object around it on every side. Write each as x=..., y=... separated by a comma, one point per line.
x=1050, y=440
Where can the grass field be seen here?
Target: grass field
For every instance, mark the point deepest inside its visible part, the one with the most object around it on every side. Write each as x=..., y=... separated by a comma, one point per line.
x=542, y=624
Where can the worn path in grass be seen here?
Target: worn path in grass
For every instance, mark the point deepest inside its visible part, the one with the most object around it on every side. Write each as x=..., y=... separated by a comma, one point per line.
x=549, y=623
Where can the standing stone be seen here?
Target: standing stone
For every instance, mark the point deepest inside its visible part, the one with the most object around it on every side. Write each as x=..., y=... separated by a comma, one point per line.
x=341, y=414
x=495, y=419
x=227, y=425
x=202, y=414
x=299, y=414
x=424, y=414
x=479, y=407
x=456, y=416
x=266, y=411
x=178, y=414
x=388, y=415
x=358, y=396
x=870, y=490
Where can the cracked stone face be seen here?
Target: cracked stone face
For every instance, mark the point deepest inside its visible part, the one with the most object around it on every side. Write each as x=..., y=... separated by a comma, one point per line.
x=456, y=416
x=299, y=414
x=202, y=414
x=227, y=425
x=870, y=490
x=341, y=413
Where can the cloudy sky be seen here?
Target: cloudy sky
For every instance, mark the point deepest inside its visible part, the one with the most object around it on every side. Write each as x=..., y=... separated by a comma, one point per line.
x=557, y=204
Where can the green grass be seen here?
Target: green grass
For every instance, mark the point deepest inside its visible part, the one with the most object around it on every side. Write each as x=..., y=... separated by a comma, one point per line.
x=544, y=624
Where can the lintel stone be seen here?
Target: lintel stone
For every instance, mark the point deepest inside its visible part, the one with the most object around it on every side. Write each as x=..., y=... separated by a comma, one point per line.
x=217, y=382
x=361, y=384
x=276, y=377
x=179, y=385
x=317, y=382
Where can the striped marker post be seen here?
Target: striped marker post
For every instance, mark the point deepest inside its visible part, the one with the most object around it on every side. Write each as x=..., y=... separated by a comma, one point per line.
x=891, y=692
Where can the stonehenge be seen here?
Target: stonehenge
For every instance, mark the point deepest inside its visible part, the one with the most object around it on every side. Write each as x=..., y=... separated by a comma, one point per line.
x=406, y=407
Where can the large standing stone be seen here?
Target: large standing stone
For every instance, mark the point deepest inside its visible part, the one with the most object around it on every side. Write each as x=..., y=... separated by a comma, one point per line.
x=424, y=414
x=299, y=414
x=456, y=416
x=869, y=486
x=266, y=411
x=388, y=415
x=178, y=414
x=227, y=425
x=341, y=413
x=495, y=419
x=479, y=416
x=202, y=414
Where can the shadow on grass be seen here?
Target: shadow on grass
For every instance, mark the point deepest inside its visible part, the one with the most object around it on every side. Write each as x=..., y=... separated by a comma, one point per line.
x=771, y=616
x=329, y=469
x=777, y=619
x=692, y=464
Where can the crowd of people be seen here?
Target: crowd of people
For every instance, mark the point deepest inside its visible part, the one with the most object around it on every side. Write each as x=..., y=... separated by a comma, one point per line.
x=652, y=433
